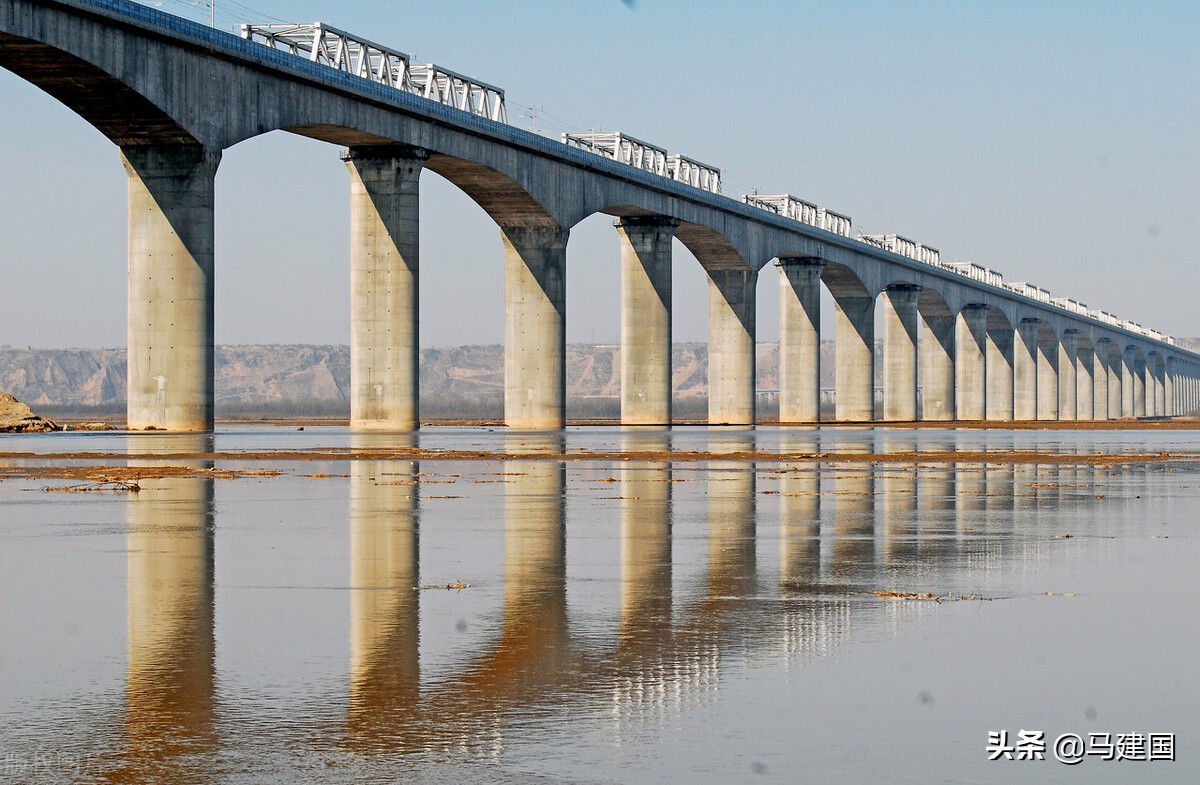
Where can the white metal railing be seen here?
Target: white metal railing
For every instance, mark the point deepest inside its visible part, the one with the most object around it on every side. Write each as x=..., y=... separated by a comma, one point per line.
x=786, y=205
x=1029, y=290
x=459, y=91
x=799, y=210
x=622, y=148
x=905, y=247
x=327, y=45
x=834, y=222
x=647, y=157
x=688, y=170
x=929, y=255
x=1067, y=304
x=976, y=272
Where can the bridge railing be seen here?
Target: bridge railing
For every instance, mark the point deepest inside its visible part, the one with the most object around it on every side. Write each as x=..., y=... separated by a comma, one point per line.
x=462, y=92
x=1067, y=304
x=327, y=45
x=623, y=148
x=647, y=157
x=688, y=170
x=906, y=247
x=789, y=206
x=976, y=272
x=1029, y=290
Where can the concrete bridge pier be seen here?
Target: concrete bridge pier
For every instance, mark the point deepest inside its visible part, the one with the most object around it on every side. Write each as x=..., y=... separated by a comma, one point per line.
x=731, y=331
x=937, y=366
x=1025, y=370
x=171, y=200
x=1085, y=382
x=1148, y=386
x=1128, y=383
x=1047, y=376
x=535, y=321
x=1100, y=377
x=384, y=278
x=800, y=340
x=970, y=362
x=855, y=358
x=1115, y=393
x=1169, y=407
x=1159, y=387
x=1138, y=374
x=900, y=352
x=1066, y=375
x=999, y=373
x=646, y=320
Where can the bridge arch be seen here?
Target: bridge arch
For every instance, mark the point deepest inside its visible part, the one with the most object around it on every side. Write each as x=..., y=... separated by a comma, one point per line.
x=94, y=89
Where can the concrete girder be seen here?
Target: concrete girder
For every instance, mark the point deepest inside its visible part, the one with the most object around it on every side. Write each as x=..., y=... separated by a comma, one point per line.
x=519, y=177
x=142, y=83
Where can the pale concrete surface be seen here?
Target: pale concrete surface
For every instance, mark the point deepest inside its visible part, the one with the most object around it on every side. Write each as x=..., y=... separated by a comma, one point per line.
x=384, y=287
x=646, y=320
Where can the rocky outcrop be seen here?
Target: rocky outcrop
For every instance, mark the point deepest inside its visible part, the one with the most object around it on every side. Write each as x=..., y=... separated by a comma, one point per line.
x=16, y=417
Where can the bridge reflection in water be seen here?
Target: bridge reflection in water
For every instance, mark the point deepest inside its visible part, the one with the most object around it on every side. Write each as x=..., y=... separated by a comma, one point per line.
x=844, y=528
x=170, y=703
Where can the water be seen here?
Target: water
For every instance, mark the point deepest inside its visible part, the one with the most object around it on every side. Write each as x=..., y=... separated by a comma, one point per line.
x=640, y=620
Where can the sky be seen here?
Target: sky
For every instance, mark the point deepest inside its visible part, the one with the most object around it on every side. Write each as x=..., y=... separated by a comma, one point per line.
x=1056, y=142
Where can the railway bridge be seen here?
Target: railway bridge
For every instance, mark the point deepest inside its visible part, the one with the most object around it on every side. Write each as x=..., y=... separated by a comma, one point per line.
x=172, y=95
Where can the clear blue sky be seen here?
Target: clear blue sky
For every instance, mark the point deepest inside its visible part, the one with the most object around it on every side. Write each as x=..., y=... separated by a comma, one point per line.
x=1058, y=142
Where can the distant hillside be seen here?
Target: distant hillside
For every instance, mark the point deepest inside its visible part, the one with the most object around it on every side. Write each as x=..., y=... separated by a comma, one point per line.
x=278, y=376
x=265, y=374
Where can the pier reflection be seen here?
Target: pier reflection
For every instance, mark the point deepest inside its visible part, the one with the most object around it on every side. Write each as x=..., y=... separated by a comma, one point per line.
x=385, y=670
x=800, y=512
x=853, y=491
x=645, y=540
x=846, y=529
x=170, y=707
x=731, y=517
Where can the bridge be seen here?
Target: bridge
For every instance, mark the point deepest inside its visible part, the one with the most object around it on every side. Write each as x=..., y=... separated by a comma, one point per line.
x=173, y=94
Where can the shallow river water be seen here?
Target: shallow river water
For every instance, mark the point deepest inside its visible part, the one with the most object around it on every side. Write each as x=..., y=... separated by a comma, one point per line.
x=632, y=620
